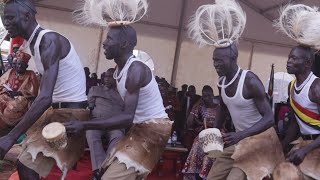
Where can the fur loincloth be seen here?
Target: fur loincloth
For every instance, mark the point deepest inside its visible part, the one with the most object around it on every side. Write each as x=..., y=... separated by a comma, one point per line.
x=311, y=163
x=35, y=144
x=258, y=155
x=142, y=146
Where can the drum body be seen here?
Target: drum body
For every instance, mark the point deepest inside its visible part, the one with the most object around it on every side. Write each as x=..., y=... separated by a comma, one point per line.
x=212, y=143
x=55, y=135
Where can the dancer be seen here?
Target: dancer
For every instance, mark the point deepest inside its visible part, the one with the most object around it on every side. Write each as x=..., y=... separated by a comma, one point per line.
x=62, y=94
x=242, y=93
x=140, y=149
x=298, y=22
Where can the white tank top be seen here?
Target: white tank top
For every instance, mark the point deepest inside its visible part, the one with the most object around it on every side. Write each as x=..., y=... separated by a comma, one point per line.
x=244, y=112
x=303, y=99
x=71, y=81
x=150, y=103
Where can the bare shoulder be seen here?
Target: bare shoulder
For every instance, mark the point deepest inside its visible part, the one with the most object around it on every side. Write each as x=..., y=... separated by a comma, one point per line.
x=254, y=85
x=136, y=69
x=252, y=79
x=137, y=64
x=56, y=43
x=50, y=37
x=314, y=92
x=141, y=69
x=139, y=75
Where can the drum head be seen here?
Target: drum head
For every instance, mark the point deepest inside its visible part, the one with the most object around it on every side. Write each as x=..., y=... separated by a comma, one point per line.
x=53, y=130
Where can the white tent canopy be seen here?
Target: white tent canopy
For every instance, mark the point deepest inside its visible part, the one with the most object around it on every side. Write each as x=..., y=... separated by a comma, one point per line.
x=162, y=34
x=280, y=88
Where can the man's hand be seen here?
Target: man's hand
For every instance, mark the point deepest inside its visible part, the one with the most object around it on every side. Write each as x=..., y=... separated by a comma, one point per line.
x=297, y=156
x=231, y=138
x=74, y=127
x=6, y=142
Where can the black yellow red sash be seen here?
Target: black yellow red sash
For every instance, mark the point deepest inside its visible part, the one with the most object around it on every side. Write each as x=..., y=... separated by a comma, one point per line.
x=308, y=117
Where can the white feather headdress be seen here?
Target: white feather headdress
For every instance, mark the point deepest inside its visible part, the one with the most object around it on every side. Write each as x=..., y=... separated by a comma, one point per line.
x=110, y=12
x=301, y=23
x=219, y=24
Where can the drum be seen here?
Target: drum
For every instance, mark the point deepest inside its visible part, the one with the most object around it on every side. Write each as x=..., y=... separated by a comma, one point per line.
x=212, y=143
x=55, y=135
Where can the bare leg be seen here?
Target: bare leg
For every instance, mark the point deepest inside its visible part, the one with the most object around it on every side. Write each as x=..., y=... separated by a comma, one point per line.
x=25, y=173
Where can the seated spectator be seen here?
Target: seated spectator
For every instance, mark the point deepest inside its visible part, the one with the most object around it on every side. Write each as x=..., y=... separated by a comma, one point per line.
x=18, y=87
x=87, y=74
x=12, y=58
x=101, y=83
x=94, y=80
x=187, y=103
x=183, y=93
x=104, y=101
x=198, y=164
x=170, y=101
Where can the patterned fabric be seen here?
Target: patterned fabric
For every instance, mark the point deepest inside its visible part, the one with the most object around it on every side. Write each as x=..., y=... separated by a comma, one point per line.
x=197, y=162
x=12, y=109
x=201, y=113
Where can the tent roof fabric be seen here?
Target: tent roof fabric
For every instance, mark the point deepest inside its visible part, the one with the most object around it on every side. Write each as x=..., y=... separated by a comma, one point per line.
x=267, y=8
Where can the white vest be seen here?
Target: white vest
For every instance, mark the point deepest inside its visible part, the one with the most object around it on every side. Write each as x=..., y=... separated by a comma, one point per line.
x=71, y=81
x=150, y=103
x=303, y=100
x=244, y=112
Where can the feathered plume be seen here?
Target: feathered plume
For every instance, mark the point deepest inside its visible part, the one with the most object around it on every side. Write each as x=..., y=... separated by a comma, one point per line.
x=218, y=24
x=301, y=23
x=110, y=12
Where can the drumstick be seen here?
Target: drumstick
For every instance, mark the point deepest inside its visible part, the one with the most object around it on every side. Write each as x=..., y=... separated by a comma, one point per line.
x=205, y=123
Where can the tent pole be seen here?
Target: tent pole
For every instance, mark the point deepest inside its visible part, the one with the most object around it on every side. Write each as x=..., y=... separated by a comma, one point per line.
x=99, y=49
x=251, y=56
x=178, y=43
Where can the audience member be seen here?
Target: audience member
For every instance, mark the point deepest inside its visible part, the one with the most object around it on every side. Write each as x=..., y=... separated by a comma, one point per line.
x=18, y=87
x=183, y=93
x=203, y=112
x=104, y=102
